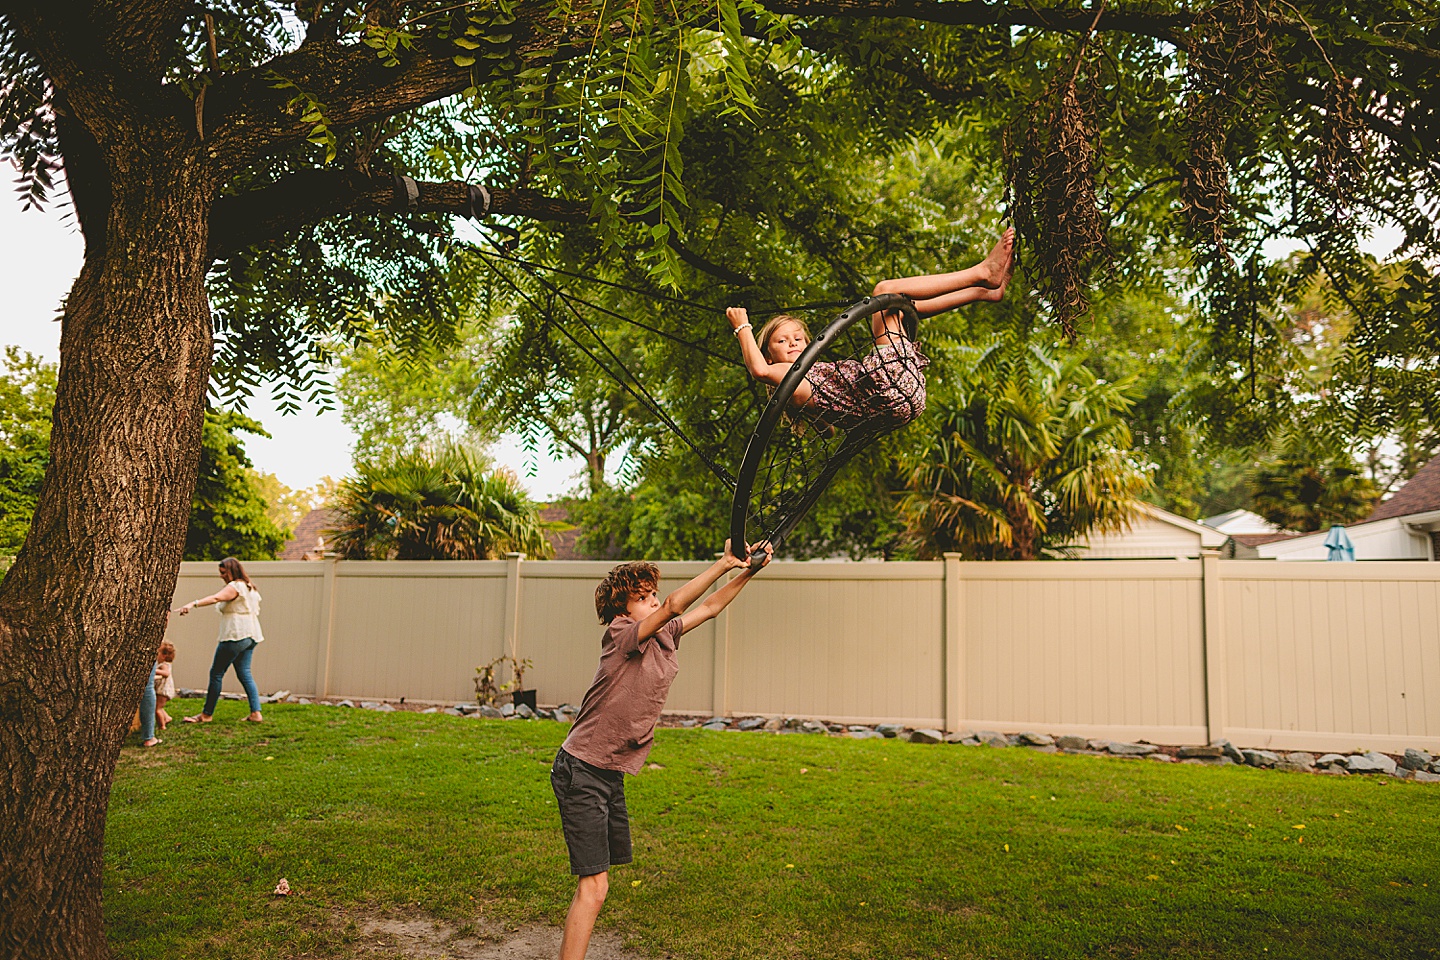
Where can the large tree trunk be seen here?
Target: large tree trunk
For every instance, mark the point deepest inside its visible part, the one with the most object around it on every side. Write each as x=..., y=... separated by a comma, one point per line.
x=83, y=608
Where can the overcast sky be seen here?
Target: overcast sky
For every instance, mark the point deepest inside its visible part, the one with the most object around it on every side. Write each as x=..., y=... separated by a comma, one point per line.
x=40, y=254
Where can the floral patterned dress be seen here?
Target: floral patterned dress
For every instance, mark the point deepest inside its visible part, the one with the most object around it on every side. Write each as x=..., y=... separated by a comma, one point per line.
x=884, y=391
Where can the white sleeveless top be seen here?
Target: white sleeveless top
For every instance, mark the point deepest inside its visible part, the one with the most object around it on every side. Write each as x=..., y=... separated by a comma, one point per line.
x=240, y=618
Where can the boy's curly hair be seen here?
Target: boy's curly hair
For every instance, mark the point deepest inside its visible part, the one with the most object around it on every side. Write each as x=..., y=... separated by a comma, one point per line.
x=627, y=580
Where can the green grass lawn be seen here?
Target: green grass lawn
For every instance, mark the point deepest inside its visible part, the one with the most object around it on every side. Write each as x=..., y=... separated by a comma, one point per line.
x=755, y=845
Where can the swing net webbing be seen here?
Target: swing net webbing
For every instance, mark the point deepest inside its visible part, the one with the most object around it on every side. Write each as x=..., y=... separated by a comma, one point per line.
x=860, y=393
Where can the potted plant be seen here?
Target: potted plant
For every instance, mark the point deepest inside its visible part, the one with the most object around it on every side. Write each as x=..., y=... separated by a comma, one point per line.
x=489, y=692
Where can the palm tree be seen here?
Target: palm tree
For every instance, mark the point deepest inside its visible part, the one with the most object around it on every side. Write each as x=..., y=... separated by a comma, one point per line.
x=445, y=504
x=1032, y=455
x=1306, y=490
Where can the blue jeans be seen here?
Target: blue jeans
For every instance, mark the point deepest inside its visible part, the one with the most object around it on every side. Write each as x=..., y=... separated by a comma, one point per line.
x=147, y=707
x=229, y=652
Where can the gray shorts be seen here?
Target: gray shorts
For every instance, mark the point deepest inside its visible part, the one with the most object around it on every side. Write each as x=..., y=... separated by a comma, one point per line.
x=593, y=814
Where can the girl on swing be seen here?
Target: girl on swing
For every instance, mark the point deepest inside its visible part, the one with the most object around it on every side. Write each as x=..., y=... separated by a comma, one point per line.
x=887, y=388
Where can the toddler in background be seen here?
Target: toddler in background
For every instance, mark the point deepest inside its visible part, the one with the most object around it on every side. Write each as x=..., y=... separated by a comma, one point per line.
x=164, y=683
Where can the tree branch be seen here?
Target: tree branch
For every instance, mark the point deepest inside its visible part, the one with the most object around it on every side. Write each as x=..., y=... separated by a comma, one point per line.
x=308, y=196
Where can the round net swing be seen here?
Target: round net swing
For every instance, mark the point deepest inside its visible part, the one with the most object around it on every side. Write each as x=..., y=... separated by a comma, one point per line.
x=860, y=392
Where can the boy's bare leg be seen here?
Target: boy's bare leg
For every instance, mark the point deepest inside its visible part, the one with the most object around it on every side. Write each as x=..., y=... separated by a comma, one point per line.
x=580, y=921
x=989, y=273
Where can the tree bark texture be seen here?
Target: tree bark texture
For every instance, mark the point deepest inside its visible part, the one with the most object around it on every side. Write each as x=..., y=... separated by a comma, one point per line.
x=83, y=608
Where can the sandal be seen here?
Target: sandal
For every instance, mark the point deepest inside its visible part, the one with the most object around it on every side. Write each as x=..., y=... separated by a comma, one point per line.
x=198, y=718
x=152, y=742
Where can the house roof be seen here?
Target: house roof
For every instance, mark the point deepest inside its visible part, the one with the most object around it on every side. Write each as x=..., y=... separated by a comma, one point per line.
x=1242, y=522
x=1420, y=495
x=307, y=543
x=1209, y=536
x=1256, y=539
x=564, y=541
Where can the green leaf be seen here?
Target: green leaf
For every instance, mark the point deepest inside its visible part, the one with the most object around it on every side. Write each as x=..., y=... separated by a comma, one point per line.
x=463, y=61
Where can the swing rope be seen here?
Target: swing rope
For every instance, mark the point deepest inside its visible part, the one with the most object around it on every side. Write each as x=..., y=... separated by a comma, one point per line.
x=638, y=391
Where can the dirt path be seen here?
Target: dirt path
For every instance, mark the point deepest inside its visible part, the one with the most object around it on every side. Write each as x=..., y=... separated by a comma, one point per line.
x=418, y=939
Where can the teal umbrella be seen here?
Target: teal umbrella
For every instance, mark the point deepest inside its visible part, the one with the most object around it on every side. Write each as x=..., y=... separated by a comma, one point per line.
x=1337, y=541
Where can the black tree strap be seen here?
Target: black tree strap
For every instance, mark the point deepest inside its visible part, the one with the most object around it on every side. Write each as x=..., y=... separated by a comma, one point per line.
x=479, y=201
x=407, y=194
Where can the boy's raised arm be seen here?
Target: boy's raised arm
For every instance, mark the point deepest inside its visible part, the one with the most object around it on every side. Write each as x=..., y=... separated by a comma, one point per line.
x=681, y=597
x=721, y=598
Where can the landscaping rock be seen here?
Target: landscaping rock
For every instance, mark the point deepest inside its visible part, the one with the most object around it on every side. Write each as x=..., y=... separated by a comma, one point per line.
x=1037, y=739
x=493, y=713
x=1163, y=757
x=468, y=707
x=752, y=723
x=1416, y=759
x=856, y=726
x=889, y=729
x=835, y=727
x=1261, y=758
x=1013, y=739
x=232, y=696
x=992, y=739
x=1201, y=753
x=524, y=712
x=369, y=704
x=304, y=700
x=1137, y=749
x=1301, y=758
x=1072, y=743
x=191, y=693
x=971, y=741
x=773, y=724
x=715, y=725
x=453, y=712
x=689, y=722
x=431, y=710
x=865, y=733
x=1425, y=776
x=717, y=719
x=1099, y=746
x=1290, y=766
x=345, y=703
x=279, y=695
x=384, y=708
x=1045, y=748
x=1331, y=759
x=507, y=709
x=1229, y=750
x=814, y=726
x=1403, y=774
x=960, y=736
x=1371, y=762
x=1435, y=766
x=792, y=723
x=926, y=736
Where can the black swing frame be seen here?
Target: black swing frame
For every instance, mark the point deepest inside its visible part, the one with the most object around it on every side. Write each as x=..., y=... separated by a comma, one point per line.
x=775, y=410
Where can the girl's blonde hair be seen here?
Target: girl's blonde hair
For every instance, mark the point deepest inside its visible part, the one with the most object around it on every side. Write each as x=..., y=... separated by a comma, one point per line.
x=769, y=328
x=166, y=653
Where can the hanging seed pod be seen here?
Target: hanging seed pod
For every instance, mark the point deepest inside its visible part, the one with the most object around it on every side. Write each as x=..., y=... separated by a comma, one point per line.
x=1051, y=160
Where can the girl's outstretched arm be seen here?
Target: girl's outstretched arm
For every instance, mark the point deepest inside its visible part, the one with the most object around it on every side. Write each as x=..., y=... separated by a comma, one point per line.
x=755, y=362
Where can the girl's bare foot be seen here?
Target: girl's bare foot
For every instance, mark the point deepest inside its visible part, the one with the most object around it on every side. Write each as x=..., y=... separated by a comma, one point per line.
x=199, y=718
x=255, y=717
x=1001, y=260
x=152, y=742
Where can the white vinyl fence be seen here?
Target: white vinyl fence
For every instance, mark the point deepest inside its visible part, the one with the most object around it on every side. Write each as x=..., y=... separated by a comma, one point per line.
x=1320, y=656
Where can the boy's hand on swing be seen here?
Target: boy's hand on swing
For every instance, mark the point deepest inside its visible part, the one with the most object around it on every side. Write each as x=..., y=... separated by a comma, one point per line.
x=759, y=555
x=733, y=562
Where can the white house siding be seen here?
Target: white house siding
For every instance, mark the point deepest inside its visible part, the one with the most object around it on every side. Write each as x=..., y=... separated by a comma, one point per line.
x=1379, y=540
x=1147, y=538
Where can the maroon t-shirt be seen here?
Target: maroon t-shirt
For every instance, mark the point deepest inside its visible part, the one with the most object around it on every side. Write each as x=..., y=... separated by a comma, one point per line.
x=616, y=725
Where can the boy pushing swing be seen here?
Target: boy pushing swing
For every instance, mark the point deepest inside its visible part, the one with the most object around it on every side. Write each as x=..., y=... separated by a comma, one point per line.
x=615, y=728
